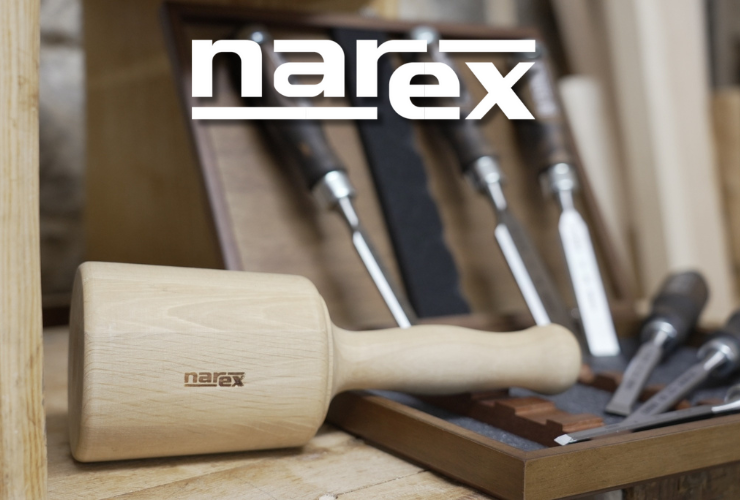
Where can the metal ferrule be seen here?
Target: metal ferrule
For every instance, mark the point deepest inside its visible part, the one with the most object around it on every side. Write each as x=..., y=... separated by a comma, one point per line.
x=733, y=394
x=659, y=332
x=426, y=33
x=719, y=356
x=486, y=176
x=333, y=187
x=559, y=178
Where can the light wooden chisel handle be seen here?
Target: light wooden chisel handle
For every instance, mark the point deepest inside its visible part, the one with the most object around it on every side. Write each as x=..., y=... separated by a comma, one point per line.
x=174, y=361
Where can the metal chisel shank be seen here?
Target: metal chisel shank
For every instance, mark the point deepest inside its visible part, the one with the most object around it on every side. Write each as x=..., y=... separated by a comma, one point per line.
x=546, y=142
x=480, y=165
x=719, y=357
x=732, y=405
x=304, y=143
x=529, y=271
x=674, y=311
x=635, y=378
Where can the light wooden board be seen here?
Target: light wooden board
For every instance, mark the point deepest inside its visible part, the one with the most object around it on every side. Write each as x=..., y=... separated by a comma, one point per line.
x=583, y=28
x=333, y=464
x=658, y=51
x=726, y=116
x=22, y=446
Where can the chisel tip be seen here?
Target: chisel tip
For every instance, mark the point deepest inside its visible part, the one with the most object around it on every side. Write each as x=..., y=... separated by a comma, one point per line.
x=617, y=408
x=564, y=439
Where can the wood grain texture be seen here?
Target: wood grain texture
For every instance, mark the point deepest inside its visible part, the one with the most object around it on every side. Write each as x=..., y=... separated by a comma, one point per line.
x=726, y=117
x=587, y=107
x=658, y=52
x=142, y=183
x=175, y=361
x=381, y=475
x=457, y=452
x=587, y=469
x=332, y=463
x=615, y=462
x=22, y=438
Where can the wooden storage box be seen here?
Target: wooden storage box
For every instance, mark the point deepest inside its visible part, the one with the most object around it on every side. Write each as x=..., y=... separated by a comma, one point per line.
x=264, y=220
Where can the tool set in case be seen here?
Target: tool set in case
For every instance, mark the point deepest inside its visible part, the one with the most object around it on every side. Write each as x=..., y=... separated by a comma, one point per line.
x=432, y=252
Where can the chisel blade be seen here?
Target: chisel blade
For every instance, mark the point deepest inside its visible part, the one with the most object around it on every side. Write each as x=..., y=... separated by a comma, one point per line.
x=635, y=378
x=680, y=387
x=674, y=417
x=587, y=284
x=530, y=273
x=401, y=311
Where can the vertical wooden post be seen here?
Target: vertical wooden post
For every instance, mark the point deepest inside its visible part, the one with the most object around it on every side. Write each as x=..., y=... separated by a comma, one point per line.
x=22, y=437
x=658, y=52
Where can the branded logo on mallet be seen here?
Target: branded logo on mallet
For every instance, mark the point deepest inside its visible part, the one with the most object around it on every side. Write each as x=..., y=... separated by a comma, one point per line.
x=214, y=379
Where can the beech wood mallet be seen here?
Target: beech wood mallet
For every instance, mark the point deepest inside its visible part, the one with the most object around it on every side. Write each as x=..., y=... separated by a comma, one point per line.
x=170, y=361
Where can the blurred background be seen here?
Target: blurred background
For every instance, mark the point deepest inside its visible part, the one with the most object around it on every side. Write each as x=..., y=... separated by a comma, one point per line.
x=651, y=87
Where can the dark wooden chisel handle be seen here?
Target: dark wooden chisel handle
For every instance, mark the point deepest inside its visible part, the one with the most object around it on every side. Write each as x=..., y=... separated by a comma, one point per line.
x=679, y=302
x=545, y=140
x=301, y=141
x=464, y=136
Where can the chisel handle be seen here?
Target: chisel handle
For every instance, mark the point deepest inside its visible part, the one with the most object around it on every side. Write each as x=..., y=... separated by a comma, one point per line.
x=464, y=136
x=678, y=306
x=436, y=359
x=544, y=140
x=173, y=361
x=302, y=141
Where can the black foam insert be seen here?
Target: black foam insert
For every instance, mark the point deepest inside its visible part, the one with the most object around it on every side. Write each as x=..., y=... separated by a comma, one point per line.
x=414, y=225
x=580, y=398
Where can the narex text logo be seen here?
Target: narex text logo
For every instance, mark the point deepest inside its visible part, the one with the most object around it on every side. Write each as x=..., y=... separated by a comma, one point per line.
x=401, y=90
x=214, y=379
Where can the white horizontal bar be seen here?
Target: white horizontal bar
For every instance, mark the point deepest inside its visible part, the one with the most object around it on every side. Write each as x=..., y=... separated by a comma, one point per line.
x=487, y=45
x=284, y=113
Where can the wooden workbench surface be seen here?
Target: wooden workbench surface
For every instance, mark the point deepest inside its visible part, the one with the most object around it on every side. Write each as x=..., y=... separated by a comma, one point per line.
x=334, y=465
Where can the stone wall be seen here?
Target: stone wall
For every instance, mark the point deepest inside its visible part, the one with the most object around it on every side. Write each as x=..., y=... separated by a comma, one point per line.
x=62, y=120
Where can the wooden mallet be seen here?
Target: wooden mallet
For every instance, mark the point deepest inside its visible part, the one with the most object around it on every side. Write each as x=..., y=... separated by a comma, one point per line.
x=174, y=361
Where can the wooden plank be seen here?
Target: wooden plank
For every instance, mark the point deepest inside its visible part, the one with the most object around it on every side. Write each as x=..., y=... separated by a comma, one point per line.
x=719, y=483
x=424, y=485
x=593, y=123
x=71, y=480
x=22, y=440
x=145, y=199
x=621, y=461
x=329, y=466
x=333, y=463
x=659, y=56
x=473, y=459
x=726, y=115
x=586, y=106
x=501, y=12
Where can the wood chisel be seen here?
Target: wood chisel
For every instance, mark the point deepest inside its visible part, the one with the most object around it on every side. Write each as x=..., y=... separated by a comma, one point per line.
x=731, y=405
x=719, y=358
x=675, y=310
x=480, y=165
x=412, y=219
x=170, y=361
x=304, y=142
x=545, y=139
